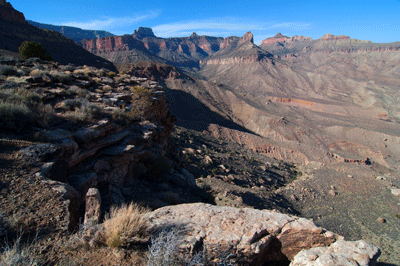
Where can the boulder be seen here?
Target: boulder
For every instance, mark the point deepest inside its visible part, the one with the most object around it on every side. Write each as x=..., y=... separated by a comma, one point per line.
x=344, y=253
x=56, y=170
x=255, y=237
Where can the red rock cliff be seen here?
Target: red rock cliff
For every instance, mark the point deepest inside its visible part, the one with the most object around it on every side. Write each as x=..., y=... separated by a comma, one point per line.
x=277, y=38
x=331, y=37
x=111, y=44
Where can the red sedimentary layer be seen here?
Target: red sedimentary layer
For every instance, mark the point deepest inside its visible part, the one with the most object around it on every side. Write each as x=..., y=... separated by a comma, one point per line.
x=111, y=44
x=330, y=37
x=281, y=38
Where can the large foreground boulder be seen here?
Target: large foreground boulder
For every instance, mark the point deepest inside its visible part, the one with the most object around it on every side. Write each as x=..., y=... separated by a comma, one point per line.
x=255, y=237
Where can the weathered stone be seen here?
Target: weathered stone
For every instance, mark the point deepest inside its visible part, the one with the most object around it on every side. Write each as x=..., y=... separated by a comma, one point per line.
x=257, y=236
x=118, y=150
x=55, y=135
x=85, y=135
x=101, y=165
x=396, y=191
x=343, y=253
x=93, y=206
x=41, y=152
x=56, y=170
x=381, y=220
x=84, y=181
x=71, y=200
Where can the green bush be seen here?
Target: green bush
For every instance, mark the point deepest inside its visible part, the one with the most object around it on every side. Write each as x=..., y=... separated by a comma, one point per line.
x=141, y=102
x=29, y=49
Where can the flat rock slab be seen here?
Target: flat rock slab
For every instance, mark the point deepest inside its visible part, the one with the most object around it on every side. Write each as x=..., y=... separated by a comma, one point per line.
x=255, y=236
x=396, y=191
x=343, y=253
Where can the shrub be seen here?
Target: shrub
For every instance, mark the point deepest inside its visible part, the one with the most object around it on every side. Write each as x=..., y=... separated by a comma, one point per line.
x=141, y=102
x=61, y=76
x=29, y=49
x=16, y=80
x=106, y=88
x=17, y=255
x=125, y=223
x=37, y=72
x=14, y=117
x=164, y=250
x=8, y=71
x=84, y=111
x=112, y=74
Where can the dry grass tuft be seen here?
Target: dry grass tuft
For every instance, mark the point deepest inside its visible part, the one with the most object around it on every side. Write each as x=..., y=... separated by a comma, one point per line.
x=124, y=224
x=18, y=255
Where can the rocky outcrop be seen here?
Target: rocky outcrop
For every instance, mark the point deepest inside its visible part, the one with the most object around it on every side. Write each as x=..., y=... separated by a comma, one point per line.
x=277, y=38
x=229, y=41
x=253, y=237
x=185, y=51
x=7, y=12
x=143, y=32
x=111, y=44
x=344, y=253
x=247, y=38
x=331, y=37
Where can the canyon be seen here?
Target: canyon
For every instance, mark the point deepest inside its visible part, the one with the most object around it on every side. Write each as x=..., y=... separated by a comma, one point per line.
x=328, y=108
x=329, y=105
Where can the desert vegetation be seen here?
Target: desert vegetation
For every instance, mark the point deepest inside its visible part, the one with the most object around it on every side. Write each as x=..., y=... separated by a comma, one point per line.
x=29, y=49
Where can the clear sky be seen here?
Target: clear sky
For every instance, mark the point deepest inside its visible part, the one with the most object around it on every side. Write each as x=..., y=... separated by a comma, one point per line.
x=377, y=21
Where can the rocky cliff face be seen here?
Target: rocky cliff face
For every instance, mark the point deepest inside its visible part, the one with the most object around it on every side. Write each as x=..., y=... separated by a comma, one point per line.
x=185, y=51
x=7, y=12
x=112, y=44
x=331, y=37
x=74, y=33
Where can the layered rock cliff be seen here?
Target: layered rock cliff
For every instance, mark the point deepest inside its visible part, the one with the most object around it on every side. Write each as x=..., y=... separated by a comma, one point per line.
x=14, y=31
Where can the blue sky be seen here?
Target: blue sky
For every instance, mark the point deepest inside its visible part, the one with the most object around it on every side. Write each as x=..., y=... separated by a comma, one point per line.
x=377, y=21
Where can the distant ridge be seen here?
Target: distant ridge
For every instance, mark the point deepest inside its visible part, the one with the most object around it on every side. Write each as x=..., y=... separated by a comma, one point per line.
x=14, y=31
x=74, y=33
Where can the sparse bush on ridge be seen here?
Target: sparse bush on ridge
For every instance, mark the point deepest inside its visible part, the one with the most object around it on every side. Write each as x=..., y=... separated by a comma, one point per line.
x=29, y=49
x=141, y=102
x=111, y=74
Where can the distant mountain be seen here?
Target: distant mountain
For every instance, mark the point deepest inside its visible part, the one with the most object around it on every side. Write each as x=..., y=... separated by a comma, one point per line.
x=121, y=49
x=182, y=52
x=74, y=33
x=14, y=31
